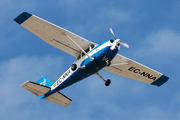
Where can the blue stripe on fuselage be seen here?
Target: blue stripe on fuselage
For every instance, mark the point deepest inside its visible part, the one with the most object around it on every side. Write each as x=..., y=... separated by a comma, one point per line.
x=91, y=67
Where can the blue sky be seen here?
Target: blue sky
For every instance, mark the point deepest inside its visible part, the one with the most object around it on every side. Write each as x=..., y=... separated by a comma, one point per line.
x=150, y=27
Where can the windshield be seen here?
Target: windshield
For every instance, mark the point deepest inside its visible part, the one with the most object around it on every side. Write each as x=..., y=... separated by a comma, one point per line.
x=87, y=50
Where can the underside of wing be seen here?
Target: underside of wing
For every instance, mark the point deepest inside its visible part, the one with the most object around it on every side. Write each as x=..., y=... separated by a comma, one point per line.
x=126, y=67
x=53, y=34
x=35, y=88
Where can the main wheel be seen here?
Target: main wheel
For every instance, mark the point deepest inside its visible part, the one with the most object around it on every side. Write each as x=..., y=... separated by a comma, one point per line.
x=73, y=67
x=108, y=63
x=108, y=81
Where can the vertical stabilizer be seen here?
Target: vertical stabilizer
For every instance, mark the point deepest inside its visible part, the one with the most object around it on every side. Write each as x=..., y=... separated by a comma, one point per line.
x=44, y=81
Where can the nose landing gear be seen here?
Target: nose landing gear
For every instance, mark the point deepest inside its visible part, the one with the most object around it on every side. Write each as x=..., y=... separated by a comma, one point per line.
x=107, y=82
x=108, y=63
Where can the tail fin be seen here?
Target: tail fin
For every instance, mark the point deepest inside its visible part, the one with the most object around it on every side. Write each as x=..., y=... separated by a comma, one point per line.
x=44, y=81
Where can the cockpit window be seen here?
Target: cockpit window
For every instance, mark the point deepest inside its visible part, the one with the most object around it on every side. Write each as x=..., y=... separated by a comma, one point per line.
x=87, y=50
x=92, y=46
x=111, y=41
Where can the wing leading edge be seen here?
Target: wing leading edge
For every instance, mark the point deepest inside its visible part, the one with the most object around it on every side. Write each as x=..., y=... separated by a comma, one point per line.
x=134, y=70
x=52, y=34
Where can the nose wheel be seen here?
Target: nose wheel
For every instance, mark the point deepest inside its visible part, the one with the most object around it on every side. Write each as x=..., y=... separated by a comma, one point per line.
x=107, y=82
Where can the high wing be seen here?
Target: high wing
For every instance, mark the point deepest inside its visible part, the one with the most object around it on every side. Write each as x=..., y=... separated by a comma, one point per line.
x=53, y=34
x=128, y=68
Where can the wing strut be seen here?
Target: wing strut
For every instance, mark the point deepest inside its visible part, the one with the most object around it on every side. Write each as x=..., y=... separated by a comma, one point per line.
x=79, y=47
x=107, y=82
x=120, y=64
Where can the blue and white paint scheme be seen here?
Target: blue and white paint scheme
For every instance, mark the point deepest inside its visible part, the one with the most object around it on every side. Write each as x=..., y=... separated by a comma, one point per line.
x=90, y=58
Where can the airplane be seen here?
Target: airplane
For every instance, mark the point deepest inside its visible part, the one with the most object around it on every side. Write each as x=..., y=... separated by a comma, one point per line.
x=90, y=59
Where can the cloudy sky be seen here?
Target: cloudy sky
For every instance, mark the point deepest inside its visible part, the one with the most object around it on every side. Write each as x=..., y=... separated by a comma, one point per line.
x=150, y=27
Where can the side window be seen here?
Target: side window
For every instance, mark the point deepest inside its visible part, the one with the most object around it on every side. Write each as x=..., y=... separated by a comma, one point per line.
x=111, y=41
x=87, y=50
x=92, y=46
x=83, y=54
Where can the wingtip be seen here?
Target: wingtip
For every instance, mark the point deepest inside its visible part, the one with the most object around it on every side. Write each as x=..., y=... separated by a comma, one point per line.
x=160, y=81
x=22, y=17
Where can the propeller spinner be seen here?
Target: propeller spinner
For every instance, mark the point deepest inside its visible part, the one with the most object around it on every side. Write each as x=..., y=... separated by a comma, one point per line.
x=117, y=41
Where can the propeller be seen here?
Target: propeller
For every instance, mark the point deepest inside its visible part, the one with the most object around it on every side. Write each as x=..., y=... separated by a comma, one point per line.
x=112, y=33
x=124, y=44
x=117, y=41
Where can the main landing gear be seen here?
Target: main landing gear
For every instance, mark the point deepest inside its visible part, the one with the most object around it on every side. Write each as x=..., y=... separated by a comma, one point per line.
x=107, y=82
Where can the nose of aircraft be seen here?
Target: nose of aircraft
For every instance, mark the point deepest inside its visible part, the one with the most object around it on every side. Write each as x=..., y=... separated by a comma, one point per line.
x=115, y=43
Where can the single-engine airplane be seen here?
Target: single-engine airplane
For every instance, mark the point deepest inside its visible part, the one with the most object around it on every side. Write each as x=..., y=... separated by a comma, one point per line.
x=90, y=58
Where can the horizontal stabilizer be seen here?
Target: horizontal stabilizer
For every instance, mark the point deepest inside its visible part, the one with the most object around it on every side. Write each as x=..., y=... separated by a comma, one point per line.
x=59, y=98
x=35, y=88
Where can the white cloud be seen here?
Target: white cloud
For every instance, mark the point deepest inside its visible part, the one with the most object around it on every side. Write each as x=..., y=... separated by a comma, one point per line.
x=165, y=41
x=160, y=44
